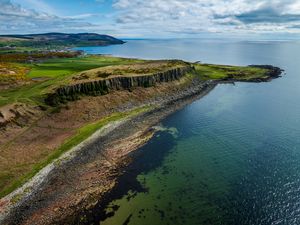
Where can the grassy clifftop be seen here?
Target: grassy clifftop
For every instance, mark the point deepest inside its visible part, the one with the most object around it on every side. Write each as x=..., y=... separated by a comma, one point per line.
x=38, y=78
x=136, y=69
x=211, y=71
x=30, y=82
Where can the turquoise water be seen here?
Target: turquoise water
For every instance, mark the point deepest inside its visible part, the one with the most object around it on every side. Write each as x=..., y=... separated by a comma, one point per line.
x=232, y=157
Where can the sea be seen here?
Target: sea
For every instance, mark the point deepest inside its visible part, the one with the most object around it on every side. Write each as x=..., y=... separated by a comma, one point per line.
x=229, y=158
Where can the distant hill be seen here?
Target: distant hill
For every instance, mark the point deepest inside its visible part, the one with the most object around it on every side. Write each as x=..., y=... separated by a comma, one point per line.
x=59, y=39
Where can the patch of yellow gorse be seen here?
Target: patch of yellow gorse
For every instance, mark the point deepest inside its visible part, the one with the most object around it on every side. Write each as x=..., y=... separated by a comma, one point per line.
x=11, y=72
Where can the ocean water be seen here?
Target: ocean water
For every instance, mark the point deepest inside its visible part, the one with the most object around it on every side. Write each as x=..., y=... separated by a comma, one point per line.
x=232, y=157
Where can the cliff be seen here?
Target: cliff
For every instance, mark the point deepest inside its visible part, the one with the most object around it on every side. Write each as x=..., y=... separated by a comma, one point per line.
x=104, y=86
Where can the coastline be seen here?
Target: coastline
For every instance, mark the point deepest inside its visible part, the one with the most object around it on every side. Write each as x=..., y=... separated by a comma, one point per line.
x=139, y=131
x=107, y=149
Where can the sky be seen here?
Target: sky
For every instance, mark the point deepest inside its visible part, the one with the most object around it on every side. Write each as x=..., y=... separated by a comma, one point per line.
x=153, y=18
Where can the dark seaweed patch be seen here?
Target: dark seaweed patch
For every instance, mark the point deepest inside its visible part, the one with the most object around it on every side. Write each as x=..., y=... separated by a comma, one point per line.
x=146, y=159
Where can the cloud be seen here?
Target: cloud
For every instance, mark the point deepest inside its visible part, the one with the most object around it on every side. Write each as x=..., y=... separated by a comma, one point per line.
x=16, y=19
x=190, y=17
x=39, y=4
x=267, y=15
x=157, y=18
x=81, y=16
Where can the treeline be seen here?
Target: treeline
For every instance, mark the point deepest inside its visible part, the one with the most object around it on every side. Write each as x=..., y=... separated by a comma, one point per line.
x=36, y=56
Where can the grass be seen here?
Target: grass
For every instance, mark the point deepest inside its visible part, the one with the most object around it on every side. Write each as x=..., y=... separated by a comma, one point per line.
x=52, y=73
x=63, y=67
x=210, y=71
x=81, y=134
x=146, y=68
x=16, y=50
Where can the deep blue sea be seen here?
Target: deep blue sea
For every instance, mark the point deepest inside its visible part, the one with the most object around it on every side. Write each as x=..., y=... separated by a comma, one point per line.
x=230, y=158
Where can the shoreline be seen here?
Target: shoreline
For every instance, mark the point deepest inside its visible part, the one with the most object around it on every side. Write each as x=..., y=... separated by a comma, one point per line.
x=27, y=194
x=33, y=206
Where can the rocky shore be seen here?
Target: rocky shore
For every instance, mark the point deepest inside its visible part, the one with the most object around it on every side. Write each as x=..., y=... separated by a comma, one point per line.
x=80, y=179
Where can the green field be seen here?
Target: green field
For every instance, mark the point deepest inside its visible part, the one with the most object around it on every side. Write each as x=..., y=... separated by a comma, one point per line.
x=211, y=71
x=53, y=72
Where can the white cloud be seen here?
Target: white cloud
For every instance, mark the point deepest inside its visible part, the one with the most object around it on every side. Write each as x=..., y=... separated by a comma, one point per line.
x=38, y=4
x=81, y=16
x=158, y=18
x=16, y=19
x=193, y=16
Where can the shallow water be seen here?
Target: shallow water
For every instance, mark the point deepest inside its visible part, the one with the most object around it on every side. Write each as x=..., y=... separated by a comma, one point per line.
x=232, y=157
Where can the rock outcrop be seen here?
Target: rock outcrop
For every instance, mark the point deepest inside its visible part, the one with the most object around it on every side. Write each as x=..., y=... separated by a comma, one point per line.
x=273, y=72
x=104, y=86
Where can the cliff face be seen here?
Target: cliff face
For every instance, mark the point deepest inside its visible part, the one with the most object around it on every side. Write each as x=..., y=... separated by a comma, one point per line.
x=104, y=86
